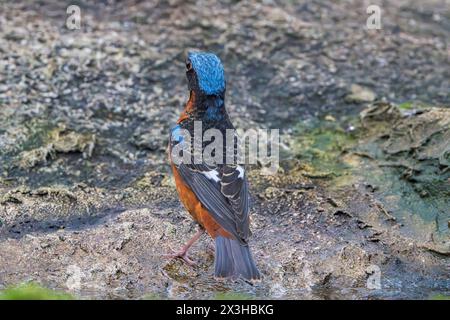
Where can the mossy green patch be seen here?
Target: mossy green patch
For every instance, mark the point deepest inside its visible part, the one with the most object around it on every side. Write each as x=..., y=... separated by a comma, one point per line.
x=413, y=105
x=33, y=291
x=406, y=105
x=440, y=297
x=320, y=145
x=405, y=159
x=38, y=132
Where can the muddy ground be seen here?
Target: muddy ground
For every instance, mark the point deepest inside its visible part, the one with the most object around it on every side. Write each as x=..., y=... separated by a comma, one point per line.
x=88, y=204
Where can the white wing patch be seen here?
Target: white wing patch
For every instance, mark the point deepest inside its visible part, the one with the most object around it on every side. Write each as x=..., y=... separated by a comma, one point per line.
x=241, y=172
x=212, y=175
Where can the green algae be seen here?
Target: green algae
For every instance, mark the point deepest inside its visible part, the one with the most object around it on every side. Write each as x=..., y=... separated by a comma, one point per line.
x=32, y=291
x=319, y=146
x=408, y=166
x=403, y=159
x=440, y=297
x=408, y=105
x=40, y=141
x=57, y=140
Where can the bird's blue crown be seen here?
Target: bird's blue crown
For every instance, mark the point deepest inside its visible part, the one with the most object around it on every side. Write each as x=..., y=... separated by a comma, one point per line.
x=209, y=70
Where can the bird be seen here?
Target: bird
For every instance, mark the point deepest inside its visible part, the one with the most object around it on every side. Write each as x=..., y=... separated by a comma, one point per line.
x=216, y=195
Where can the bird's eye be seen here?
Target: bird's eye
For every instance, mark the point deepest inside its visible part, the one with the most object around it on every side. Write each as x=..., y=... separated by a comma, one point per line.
x=188, y=66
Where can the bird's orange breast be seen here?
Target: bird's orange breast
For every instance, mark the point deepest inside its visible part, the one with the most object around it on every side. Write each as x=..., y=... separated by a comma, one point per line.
x=196, y=209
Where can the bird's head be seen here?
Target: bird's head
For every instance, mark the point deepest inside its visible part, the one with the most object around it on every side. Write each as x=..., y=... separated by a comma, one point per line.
x=205, y=73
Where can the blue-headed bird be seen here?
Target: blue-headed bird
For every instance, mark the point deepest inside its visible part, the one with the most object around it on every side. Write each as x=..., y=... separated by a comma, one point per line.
x=216, y=195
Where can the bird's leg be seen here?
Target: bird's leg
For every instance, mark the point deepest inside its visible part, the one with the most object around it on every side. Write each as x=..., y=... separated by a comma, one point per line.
x=182, y=254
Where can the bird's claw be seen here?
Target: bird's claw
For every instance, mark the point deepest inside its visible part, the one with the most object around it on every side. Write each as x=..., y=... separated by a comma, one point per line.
x=182, y=254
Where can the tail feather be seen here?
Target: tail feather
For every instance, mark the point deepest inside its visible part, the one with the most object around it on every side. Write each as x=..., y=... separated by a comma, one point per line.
x=234, y=260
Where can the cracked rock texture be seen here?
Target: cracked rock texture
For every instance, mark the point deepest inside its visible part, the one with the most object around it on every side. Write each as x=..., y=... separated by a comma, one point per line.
x=87, y=201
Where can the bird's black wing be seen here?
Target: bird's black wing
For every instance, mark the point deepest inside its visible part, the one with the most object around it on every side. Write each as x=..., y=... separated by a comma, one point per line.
x=223, y=191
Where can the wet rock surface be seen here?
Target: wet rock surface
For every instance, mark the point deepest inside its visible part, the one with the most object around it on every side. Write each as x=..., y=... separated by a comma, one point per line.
x=87, y=201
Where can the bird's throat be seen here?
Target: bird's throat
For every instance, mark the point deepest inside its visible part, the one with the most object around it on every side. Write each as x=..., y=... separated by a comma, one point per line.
x=202, y=107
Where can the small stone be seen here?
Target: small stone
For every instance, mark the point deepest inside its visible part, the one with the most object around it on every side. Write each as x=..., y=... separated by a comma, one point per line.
x=360, y=94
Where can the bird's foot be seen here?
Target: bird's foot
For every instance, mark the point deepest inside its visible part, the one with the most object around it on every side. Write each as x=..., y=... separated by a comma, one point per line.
x=182, y=254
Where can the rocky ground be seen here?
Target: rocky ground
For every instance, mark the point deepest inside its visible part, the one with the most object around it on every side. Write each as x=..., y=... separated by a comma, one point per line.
x=88, y=203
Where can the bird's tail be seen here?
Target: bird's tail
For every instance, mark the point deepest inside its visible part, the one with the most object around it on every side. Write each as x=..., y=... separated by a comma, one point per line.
x=234, y=260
